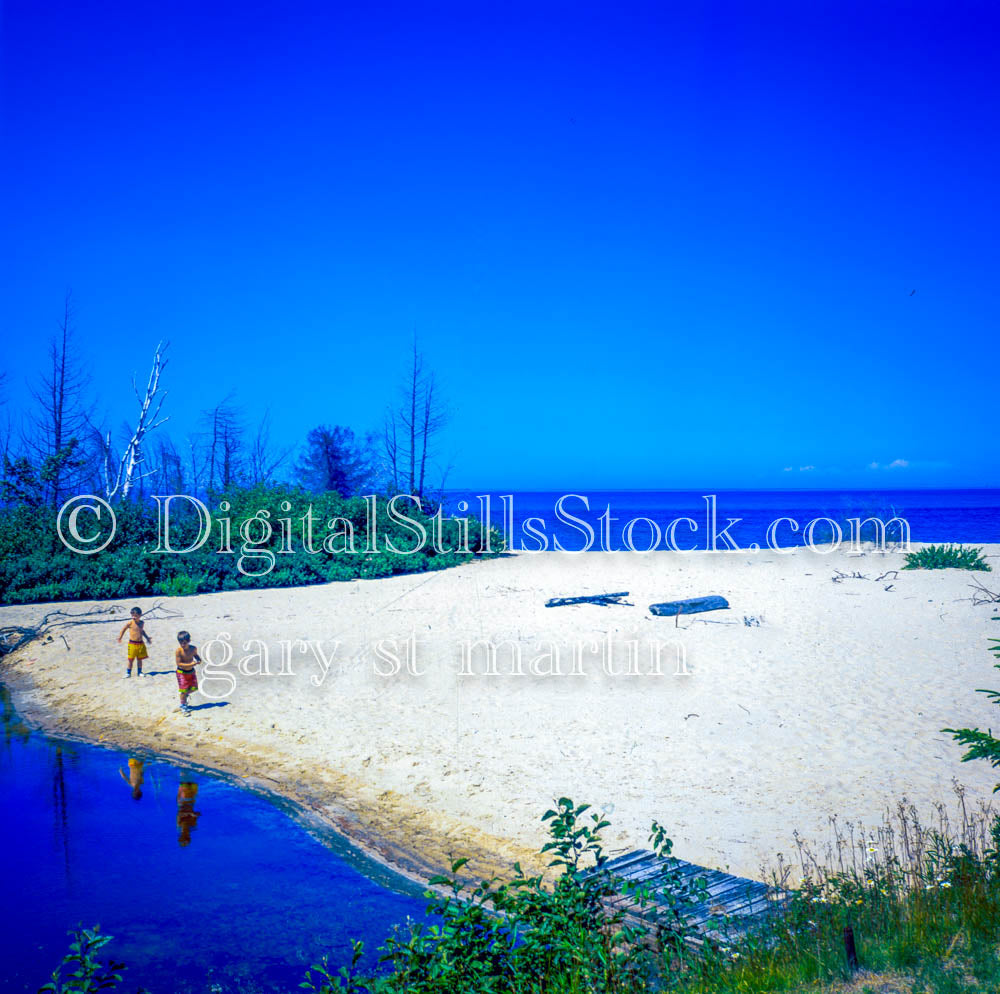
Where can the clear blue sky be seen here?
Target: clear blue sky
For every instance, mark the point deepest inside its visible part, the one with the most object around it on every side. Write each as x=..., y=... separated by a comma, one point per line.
x=643, y=245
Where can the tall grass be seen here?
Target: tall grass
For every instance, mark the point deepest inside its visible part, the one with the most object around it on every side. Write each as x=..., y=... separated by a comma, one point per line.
x=922, y=900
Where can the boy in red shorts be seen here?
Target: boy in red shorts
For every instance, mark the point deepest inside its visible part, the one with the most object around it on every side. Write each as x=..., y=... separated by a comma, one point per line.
x=186, y=658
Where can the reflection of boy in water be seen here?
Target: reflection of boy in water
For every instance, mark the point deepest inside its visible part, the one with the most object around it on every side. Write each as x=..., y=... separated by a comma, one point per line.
x=134, y=778
x=187, y=817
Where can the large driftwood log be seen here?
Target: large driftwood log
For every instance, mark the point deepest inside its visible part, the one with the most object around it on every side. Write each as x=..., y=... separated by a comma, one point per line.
x=693, y=605
x=604, y=600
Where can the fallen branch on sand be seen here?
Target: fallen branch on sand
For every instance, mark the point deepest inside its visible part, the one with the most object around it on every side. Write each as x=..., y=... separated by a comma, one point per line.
x=603, y=600
x=839, y=576
x=13, y=637
x=983, y=595
x=893, y=574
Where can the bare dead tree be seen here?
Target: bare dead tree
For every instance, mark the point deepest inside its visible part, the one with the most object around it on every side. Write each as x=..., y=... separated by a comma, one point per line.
x=168, y=477
x=419, y=418
x=55, y=432
x=6, y=437
x=435, y=417
x=410, y=415
x=5, y=425
x=196, y=463
x=390, y=446
x=120, y=479
x=264, y=460
x=223, y=453
x=224, y=431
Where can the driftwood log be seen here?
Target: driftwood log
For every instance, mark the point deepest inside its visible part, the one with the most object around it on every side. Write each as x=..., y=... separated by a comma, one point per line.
x=604, y=600
x=693, y=605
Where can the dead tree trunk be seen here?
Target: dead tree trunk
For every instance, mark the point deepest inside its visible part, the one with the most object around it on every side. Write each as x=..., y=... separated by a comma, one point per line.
x=129, y=470
x=414, y=384
x=422, y=416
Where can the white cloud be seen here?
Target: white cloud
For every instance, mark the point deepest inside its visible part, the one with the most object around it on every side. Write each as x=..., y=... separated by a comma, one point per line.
x=873, y=465
x=899, y=464
x=805, y=469
x=787, y=469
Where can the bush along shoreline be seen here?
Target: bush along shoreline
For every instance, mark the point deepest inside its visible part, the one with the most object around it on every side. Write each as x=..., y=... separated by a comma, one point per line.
x=920, y=904
x=947, y=557
x=255, y=538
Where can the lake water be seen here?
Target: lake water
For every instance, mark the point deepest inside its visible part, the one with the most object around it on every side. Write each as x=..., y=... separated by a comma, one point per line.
x=204, y=886
x=967, y=516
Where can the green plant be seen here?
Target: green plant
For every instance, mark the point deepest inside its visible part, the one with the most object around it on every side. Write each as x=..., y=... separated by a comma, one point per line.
x=946, y=557
x=179, y=586
x=321, y=981
x=80, y=970
x=267, y=536
x=980, y=744
x=530, y=935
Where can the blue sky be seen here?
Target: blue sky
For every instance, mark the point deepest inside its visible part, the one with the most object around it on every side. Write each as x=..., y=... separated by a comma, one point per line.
x=642, y=245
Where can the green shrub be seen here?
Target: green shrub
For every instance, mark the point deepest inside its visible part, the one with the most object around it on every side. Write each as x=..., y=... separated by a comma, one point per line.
x=179, y=586
x=35, y=566
x=946, y=557
x=527, y=936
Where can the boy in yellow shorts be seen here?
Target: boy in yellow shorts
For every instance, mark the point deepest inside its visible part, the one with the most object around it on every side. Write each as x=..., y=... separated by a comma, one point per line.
x=136, y=645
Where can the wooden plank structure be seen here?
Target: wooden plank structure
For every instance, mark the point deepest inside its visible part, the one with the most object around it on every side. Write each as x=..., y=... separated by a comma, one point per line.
x=734, y=907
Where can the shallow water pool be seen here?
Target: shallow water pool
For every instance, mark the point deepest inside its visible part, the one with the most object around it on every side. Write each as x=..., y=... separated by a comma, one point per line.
x=205, y=887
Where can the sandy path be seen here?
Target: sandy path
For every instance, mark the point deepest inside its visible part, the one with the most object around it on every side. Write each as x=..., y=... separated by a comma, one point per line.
x=833, y=704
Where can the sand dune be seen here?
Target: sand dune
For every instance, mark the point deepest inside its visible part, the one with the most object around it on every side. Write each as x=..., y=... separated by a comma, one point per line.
x=832, y=704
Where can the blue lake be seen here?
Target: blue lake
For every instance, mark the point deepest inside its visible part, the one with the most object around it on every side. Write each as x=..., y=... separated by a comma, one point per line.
x=932, y=515
x=204, y=886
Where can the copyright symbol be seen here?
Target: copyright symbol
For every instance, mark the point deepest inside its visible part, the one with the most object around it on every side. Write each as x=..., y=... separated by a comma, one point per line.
x=70, y=511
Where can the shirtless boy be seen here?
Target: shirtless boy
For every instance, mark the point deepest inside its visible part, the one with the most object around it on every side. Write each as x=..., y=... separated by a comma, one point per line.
x=136, y=646
x=186, y=658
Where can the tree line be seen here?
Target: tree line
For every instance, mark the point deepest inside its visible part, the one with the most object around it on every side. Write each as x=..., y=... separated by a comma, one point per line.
x=61, y=444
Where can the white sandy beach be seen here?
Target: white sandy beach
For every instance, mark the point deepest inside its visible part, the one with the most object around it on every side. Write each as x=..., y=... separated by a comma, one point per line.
x=833, y=704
